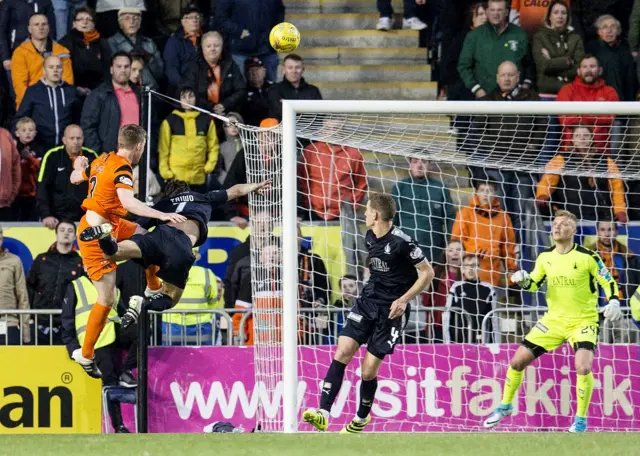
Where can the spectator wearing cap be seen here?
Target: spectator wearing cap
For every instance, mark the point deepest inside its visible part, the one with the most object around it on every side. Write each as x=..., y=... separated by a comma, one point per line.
x=107, y=14
x=129, y=39
x=181, y=45
x=90, y=51
x=15, y=16
x=256, y=107
x=52, y=104
x=188, y=144
x=28, y=58
x=248, y=23
x=111, y=105
x=292, y=87
x=215, y=78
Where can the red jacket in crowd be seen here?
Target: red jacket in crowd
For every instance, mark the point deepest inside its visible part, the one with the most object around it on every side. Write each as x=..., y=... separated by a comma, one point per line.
x=10, y=174
x=601, y=124
x=29, y=164
x=331, y=174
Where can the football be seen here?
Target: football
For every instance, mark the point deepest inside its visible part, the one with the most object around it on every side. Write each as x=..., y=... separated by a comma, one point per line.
x=284, y=37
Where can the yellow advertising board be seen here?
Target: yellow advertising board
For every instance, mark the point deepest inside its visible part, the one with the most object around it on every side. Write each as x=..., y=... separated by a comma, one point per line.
x=42, y=391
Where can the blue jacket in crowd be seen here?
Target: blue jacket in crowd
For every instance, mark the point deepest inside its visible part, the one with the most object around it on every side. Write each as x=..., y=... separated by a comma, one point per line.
x=258, y=18
x=178, y=52
x=52, y=109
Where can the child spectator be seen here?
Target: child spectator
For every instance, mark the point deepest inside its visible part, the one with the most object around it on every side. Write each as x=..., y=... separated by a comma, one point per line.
x=25, y=203
x=230, y=148
x=337, y=318
x=137, y=66
x=446, y=273
x=486, y=230
x=188, y=145
x=474, y=297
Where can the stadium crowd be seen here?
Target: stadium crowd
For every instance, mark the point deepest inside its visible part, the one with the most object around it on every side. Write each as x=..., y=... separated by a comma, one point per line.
x=73, y=74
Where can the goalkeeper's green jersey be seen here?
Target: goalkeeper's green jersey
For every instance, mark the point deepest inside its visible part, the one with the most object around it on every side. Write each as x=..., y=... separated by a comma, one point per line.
x=572, y=282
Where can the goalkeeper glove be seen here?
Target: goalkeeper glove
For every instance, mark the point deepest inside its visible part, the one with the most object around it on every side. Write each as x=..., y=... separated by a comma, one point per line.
x=521, y=278
x=612, y=310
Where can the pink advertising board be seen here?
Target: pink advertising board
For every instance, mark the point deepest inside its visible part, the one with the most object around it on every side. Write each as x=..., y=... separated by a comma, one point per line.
x=423, y=388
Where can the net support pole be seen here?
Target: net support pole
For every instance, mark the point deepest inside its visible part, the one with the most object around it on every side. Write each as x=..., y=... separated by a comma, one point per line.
x=145, y=170
x=290, y=270
x=143, y=362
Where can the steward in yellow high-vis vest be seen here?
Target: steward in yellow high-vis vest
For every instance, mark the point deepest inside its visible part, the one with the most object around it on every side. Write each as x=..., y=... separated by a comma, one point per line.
x=634, y=303
x=80, y=296
x=201, y=292
x=86, y=296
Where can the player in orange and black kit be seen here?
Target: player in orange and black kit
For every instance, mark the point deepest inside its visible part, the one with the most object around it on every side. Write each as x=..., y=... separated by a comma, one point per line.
x=110, y=197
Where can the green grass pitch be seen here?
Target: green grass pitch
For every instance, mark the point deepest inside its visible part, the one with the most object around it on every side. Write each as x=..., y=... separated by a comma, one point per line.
x=489, y=444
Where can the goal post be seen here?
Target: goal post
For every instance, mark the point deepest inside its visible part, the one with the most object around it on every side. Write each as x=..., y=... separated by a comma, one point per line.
x=396, y=130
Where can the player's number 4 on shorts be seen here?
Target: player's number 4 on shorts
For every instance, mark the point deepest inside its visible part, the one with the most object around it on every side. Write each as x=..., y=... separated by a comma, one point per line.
x=394, y=336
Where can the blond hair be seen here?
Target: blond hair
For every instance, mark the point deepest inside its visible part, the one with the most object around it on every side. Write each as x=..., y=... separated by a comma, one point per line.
x=570, y=215
x=24, y=121
x=130, y=136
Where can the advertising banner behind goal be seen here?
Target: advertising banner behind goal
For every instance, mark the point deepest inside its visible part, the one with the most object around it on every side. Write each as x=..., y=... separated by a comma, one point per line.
x=433, y=387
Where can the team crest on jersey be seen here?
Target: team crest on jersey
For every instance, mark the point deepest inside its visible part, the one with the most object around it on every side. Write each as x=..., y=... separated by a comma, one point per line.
x=513, y=45
x=416, y=253
x=387, y=249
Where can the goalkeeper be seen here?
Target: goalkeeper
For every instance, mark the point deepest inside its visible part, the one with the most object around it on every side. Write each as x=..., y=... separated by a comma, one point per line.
x=571, y=272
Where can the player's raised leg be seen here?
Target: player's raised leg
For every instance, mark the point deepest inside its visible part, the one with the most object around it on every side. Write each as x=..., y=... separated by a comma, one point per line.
x=319, y=418
x=368, y=388
x=106, y=287
x=522, y=358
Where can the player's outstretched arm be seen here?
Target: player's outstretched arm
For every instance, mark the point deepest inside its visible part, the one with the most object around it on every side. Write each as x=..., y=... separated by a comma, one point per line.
x=79, y=175
x=239, y=190
x=137, y=207
x=425, y=276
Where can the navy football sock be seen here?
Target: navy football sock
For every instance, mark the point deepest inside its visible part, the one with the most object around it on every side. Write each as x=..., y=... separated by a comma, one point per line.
x=367, y=393
x=108, y=245
x=159, y=302
x=331, y=385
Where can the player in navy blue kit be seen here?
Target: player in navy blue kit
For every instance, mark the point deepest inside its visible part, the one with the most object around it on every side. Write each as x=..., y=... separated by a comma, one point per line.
x=170, y=245
x=398, y=273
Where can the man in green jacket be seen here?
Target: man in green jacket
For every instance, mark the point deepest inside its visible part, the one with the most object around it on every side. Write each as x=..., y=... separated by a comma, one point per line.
x=487, y=46
x=424, y=209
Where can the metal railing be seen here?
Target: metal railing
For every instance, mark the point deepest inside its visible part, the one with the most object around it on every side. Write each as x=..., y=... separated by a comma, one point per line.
x=21, y=314
x=530, y=315
x=416, y=329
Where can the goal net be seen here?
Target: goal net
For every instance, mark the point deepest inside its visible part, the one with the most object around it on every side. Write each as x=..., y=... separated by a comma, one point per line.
x=475, y=185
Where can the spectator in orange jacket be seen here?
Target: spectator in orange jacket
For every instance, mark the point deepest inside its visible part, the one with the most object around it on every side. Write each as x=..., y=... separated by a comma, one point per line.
x=588, y=197
x=588, y=86
x=28, y=59
x=485, y=230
